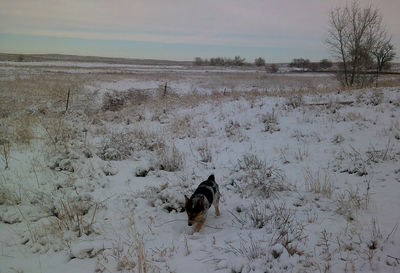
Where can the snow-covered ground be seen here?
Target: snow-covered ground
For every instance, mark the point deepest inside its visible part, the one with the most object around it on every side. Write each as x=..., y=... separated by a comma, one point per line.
x=309, y=177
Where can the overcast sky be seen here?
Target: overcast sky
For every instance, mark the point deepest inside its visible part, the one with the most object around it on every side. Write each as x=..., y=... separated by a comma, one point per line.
x=278, y=30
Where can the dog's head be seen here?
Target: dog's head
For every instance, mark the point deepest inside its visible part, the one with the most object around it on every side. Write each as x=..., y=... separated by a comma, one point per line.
x=194, y=209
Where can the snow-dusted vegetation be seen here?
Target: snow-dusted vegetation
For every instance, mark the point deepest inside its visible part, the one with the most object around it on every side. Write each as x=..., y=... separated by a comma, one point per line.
x=309, y=173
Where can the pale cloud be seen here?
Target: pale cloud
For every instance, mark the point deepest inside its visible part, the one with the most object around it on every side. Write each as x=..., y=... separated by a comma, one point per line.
x=214, y=22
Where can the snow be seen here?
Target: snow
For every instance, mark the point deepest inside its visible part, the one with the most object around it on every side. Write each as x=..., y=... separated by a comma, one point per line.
x=293, y=198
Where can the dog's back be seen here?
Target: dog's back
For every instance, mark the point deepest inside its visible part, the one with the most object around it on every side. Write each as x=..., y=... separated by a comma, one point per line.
x=209, y=189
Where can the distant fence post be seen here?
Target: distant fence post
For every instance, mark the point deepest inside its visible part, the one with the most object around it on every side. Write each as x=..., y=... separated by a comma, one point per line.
x=66, y=106
x=165, y=89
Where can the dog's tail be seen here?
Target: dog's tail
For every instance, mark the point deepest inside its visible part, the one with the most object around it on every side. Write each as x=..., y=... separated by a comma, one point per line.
x=211, y=178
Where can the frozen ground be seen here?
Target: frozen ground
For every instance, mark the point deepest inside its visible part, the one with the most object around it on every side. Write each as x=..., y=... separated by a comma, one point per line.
x=309, y=175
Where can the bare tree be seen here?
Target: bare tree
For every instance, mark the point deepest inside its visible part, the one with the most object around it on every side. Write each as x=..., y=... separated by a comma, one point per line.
x=383, y=53
x=325, y=64
x=198, y=61
x=259, y=61
x=239, y=61
x=353, y=35
x=300, y=63
x=273, y=68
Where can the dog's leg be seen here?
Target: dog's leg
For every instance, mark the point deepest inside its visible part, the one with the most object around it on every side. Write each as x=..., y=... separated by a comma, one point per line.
x=199, y=225
x=216, y=205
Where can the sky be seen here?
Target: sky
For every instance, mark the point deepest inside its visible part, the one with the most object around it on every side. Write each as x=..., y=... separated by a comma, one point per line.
x=277, y=30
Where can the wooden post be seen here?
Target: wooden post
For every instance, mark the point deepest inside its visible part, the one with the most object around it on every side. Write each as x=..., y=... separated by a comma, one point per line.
x=165, y=89
x=66, y=107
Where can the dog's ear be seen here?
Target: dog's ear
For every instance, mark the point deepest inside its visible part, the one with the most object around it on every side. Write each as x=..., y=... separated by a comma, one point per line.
x=186, y=200
x=211, y=178
x=201, y=201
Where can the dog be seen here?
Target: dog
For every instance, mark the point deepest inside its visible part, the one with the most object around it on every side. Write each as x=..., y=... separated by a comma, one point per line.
x=197, y=205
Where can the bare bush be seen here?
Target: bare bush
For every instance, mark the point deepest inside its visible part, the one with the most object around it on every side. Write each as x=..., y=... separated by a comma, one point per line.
x=255, y=175
x=301, y=152
x=147, y=140
x=113, y=101
x=356, y=162
x=58, y=131
x=257, y=216
x=349, y=202
x=376, y=97
x=116, y=146
x=116, y=100
x=286, y=234
x=288, y=231
x=165, y=196
x=249, y=248
x=233, y=131
x=270, y=121
x=129, y=255
x=182, y=127
x=74, y=215
x=169, y=159
x=294, y=100
x=5, y=148
x=9, y=194
x=204, y=152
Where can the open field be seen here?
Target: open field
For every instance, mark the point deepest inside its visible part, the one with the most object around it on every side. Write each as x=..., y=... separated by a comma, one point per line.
x=309, y=173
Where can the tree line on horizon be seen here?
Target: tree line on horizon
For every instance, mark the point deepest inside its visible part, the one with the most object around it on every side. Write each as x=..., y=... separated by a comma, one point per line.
x=302, y=63
x=361, y=46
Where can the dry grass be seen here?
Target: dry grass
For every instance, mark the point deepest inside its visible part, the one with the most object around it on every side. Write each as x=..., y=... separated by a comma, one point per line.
x=205, y=152
x=74, y=216
x=5, y=148
x=320, y=183
x=182, y=127
x=169, y=159
x=128, y=254
x=27, y=101
x=257, y=177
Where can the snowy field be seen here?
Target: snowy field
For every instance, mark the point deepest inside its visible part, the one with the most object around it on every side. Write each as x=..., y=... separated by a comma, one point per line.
x=309, y=173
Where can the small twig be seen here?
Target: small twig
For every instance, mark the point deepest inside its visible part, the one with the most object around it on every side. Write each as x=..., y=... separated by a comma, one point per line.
x=27, y=224
x=170, y=221
x=397, y=259
x=94, y=214
x=393, y=230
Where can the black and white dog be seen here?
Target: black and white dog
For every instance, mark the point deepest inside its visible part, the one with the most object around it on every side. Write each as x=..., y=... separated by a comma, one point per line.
x=197, y=206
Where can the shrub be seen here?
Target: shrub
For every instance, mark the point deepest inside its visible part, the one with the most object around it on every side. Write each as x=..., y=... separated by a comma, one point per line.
x=116, y=146
x=257, y=216
x=74, y=215
x=273, y=68
x=204, y=152
x=167, y=196
x=256, y=175
x=113, y=101
x=234, y=132
x=270, y=121
x=294, y=100
x=169, y=159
